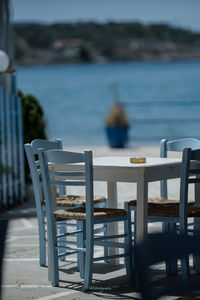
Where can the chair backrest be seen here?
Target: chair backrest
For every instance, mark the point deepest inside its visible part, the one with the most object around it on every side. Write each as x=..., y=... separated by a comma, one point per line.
x=189, y=175
x=50, y=161
x=176, y=146
x=31, y=150
x=157, y=248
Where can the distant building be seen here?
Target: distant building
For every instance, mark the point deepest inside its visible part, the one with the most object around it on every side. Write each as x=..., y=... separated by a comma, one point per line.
x=68, y=48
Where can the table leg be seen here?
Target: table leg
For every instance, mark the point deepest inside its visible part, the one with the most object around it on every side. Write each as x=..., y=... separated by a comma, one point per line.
x=142, y=204
x=112, y=202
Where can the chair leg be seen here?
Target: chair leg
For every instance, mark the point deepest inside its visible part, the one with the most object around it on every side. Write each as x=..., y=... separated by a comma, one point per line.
x=135, y=226
x=42, y=243
x=196, y=263
x=52, y=240
x=42, y=240
x=133, y=232
x=106, y=250
x=80, y=244
x=165, y=228
x=128, y=241
x=171, y=266
x=89, y=259
x=105, y=228
x=185, y=267
x=54, y=270
x=63, y=229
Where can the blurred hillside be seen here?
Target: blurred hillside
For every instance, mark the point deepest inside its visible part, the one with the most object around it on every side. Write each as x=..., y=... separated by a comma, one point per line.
x=92, y=42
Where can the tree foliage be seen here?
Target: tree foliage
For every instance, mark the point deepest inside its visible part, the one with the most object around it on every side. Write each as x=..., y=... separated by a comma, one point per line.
x=33, y=118
x=112, y=41
x=33, y=122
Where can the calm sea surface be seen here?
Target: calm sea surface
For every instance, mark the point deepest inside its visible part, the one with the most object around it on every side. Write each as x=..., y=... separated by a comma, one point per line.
x=161, y=99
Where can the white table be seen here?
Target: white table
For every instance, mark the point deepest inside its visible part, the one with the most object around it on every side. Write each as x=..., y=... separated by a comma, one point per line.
x=115, y=169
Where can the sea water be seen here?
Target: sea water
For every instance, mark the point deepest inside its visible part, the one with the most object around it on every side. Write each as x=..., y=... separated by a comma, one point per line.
x=161, y=99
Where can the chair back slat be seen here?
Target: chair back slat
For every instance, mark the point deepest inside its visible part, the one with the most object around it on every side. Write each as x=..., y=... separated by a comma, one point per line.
x=67, y=182
x=65, y=174
x=46, y=145
x=64, y=157
x=37, y=163
x=194, y=180
x=194, y=171
x=179, y=145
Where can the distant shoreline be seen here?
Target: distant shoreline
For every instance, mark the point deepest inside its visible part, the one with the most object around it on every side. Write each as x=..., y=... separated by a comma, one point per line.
x=91, y=42
x=35, y=64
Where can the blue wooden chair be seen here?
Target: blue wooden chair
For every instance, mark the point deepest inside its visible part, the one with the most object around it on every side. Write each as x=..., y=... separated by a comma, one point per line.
x=87, y=215
x=62, y=200
x=162, y=203
x=179, y=214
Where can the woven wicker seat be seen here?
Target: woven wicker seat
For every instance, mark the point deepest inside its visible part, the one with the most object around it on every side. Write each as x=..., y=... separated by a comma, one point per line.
x=73, y=200
x=160, y=202
x=172, y=211
x=160, y=207
x=79, y=213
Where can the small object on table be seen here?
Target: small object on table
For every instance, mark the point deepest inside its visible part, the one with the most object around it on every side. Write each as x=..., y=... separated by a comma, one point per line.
x=138, y=160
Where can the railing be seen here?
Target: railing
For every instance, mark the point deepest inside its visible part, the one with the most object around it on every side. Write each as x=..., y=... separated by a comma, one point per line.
x=12, y=179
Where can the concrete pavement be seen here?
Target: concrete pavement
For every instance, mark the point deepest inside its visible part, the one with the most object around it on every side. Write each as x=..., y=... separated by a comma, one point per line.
x=24, y=279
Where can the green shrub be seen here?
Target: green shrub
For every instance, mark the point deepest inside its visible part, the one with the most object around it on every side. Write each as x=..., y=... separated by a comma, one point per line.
x=33, y=118
x=34, y=126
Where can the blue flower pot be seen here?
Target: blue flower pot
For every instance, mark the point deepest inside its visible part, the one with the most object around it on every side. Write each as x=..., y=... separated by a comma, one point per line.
x=117, y=136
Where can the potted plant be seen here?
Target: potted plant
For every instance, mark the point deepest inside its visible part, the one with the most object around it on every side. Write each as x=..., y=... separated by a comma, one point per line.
x=117, y=126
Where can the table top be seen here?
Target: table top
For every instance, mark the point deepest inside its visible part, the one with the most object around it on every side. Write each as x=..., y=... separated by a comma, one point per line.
x=119, y=168
x=124, y=161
